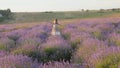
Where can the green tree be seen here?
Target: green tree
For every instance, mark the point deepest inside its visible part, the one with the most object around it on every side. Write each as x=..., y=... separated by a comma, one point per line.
x=5, y=15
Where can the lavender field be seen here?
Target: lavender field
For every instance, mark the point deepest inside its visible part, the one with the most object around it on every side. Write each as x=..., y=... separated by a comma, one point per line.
x=85, y=43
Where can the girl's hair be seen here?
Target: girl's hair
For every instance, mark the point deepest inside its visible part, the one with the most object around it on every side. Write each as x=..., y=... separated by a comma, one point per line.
x=55, y=21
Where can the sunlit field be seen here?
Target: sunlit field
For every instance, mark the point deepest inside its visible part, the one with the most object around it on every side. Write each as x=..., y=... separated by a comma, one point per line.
x=88, y=39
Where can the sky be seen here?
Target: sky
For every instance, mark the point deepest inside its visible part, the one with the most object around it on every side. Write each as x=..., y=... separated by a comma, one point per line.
x=57, y=5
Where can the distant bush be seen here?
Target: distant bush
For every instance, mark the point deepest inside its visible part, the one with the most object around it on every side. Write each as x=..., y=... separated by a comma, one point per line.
x=5, y=14
x=48, y=12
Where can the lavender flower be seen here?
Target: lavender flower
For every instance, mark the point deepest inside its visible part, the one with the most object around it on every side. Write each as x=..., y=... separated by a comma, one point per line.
x=57, y=50
x=3, y=53
x=106, y=58
x=18, y=61
x=61, y=65
x=6, y=44
x=114, y=38
x=87, y=48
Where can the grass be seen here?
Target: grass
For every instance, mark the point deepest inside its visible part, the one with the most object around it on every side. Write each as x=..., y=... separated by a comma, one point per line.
x=21, y=17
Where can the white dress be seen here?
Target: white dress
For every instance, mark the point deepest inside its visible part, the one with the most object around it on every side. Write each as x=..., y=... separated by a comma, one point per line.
x=55, y=30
